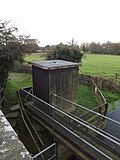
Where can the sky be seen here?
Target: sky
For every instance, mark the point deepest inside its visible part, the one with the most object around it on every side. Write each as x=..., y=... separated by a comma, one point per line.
x=56, y=21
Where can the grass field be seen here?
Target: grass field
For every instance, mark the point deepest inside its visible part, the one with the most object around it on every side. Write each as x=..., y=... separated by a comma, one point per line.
x=92, y=64
x=100, y=65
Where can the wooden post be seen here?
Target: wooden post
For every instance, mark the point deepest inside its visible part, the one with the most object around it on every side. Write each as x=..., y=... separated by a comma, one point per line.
x=106, y=108
x=116, y=80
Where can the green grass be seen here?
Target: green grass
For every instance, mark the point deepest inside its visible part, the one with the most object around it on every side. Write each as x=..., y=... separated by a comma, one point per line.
x=16, y=81
x=100, y=65
x=86, y=97
x=34, y=57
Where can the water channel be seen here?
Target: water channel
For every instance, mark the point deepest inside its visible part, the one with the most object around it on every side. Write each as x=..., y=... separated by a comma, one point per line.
x=111, y=127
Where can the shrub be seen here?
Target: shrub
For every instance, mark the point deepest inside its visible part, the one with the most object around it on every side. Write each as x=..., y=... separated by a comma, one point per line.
x=65, y=52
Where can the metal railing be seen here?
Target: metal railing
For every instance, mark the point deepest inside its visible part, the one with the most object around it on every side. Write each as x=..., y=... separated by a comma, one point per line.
x=100, y=97
x=40, y=156
x=79, y=132
x=84, y=112
x=103, y=105
x=98, y=92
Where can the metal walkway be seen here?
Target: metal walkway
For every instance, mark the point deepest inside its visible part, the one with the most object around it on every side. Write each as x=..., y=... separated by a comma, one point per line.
x=82, y=134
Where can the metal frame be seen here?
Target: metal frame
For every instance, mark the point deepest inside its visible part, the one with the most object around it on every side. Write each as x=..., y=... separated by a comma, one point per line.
x=67, y=130
x=92, y=111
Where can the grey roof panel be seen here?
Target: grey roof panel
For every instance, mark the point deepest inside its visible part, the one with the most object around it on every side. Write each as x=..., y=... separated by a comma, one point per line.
x=54, y=64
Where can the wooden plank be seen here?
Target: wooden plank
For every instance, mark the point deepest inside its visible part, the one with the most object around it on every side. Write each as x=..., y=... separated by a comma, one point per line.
x=12, y=114
x=15, y=107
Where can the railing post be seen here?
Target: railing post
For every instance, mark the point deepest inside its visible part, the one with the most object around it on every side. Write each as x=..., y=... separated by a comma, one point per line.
x=106, y=108
x=55, y=150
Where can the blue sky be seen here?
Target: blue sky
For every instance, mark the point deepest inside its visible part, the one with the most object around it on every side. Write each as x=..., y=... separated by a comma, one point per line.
x=55, y=21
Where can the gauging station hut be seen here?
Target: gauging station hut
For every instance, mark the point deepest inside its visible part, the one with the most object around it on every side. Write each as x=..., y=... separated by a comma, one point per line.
x=55, y=77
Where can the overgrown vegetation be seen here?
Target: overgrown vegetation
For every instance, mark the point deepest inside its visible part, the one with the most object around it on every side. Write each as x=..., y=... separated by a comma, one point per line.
x=112, y=99
x=12, y=47
x=69, y=52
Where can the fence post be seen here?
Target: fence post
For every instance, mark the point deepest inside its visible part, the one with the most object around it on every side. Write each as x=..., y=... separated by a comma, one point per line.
x=116, y=77
x=106, y=108
x=89, y=79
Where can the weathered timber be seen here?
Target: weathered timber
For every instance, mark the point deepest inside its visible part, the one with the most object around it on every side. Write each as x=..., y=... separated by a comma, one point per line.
x=55, y=76
x=15, y=107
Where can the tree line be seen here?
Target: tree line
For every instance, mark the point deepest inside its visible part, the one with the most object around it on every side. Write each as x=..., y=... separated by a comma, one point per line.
x=104, y=48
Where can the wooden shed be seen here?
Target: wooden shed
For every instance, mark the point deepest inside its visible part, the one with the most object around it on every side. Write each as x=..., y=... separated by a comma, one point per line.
x=58, y=77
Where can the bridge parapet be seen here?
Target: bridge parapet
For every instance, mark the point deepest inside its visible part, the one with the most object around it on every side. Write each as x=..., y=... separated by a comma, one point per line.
x=10, y=145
